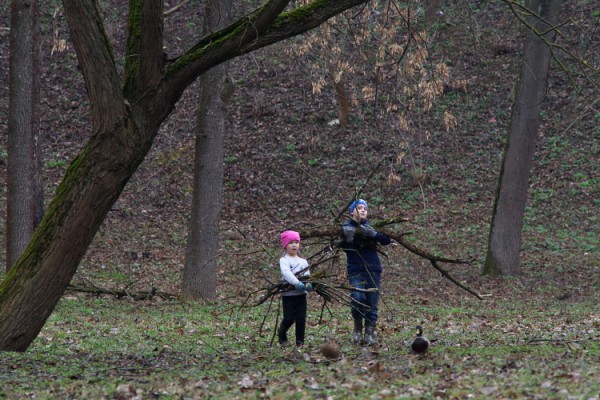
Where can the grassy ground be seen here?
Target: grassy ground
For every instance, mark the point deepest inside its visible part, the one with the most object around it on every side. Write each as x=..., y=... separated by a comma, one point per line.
x=503, y=347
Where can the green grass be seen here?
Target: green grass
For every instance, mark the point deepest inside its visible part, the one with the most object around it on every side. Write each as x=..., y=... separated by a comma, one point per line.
x=103, y=348
x=55, y=163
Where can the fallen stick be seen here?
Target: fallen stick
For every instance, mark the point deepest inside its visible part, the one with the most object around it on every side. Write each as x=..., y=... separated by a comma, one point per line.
x=119, y=293
x=175, y=8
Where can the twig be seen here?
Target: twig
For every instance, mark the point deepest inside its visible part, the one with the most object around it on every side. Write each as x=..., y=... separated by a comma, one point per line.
x=141, y=295
x=563, y=341
x=446, y=275
x=534, y=340
x=420, y=252
x=276, y=323
x=175, y=8
x=221, y=353
x=433, y=260
x=323, y=308
x=262, y=324
x=359, y=190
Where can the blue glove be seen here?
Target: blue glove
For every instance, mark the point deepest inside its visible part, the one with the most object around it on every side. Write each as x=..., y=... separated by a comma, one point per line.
x=308, y=287
x=368, y=231
x=299, y=286
x=348, y=233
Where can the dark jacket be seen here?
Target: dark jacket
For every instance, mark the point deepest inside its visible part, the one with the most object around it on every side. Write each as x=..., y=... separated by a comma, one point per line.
x=361, y=253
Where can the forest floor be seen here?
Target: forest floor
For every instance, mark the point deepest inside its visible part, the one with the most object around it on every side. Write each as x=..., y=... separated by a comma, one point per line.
x=286, y=166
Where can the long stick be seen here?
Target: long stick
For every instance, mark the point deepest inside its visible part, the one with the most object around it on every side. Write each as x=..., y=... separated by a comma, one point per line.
x=399, y=237
x=420, y=252
x=433, y=260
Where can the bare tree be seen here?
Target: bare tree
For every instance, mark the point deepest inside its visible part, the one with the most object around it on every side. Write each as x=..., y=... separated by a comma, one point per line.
x=200, y=269
x=504, y=244
x=126, y=117
x=25, y=192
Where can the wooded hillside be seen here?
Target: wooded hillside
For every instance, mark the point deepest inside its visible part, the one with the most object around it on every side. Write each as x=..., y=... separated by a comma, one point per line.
x=287, y=165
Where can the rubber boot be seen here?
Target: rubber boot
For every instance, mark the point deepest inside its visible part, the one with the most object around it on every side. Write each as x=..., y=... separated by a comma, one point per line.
x=282, y=336
x=370, y=334
x=357, y=335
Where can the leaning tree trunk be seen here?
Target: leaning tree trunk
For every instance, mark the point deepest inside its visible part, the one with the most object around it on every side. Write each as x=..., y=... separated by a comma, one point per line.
x=200, y=269
x=90, y=186
x=24, y=178
x=504, y=243
x=125, y=120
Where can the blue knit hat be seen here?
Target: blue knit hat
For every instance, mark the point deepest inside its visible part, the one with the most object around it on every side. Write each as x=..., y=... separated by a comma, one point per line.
x=356, y=203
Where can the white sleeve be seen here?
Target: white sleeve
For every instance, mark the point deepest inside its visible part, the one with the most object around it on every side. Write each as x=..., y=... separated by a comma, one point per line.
x=286, y=272
x=305, y=267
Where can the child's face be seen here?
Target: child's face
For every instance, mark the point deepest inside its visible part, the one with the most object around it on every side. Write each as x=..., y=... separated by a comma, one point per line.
x=360, y=212
x=293, y=247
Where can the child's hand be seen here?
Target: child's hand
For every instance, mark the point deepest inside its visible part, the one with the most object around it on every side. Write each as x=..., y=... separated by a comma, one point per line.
x=349, y=233
x=308, y=287
x=368, y=231
x=299, y=286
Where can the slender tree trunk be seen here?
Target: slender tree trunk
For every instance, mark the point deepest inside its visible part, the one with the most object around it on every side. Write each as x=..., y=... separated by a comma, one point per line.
x=504, y=244
x=200, y=269
x=25, y=192
x=341, y=92
x=343, y=103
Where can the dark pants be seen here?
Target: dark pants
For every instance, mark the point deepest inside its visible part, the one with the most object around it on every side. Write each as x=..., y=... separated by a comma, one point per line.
x=365, y=305
x=294, y=311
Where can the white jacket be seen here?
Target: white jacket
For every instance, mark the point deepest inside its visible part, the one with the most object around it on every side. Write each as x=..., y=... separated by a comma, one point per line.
x=290, y=266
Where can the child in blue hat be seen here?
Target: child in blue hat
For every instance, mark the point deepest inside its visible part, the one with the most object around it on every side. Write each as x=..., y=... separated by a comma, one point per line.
x=364, y=269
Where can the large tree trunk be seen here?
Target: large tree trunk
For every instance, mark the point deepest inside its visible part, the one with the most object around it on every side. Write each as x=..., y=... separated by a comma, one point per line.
x=25, y=191
x=125, y=120
x=504, y=244
x=200, y=269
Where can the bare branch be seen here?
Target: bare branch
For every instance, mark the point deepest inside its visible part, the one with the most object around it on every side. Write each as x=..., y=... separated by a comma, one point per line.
x=175, y=8
x=95, y=57
x=139, y=295
x=534, y=27
x=258, y=29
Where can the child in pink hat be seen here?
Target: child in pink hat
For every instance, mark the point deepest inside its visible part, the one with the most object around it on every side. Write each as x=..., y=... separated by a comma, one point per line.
x=294, y=301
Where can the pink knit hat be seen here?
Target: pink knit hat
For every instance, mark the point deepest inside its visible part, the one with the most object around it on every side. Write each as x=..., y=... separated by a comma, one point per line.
x=288, y=236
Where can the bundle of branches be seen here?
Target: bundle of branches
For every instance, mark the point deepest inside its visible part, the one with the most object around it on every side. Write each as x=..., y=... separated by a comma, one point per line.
x=323, y=284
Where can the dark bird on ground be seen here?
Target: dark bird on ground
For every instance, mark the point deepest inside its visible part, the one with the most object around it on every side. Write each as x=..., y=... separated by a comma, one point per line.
x=420, y=344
